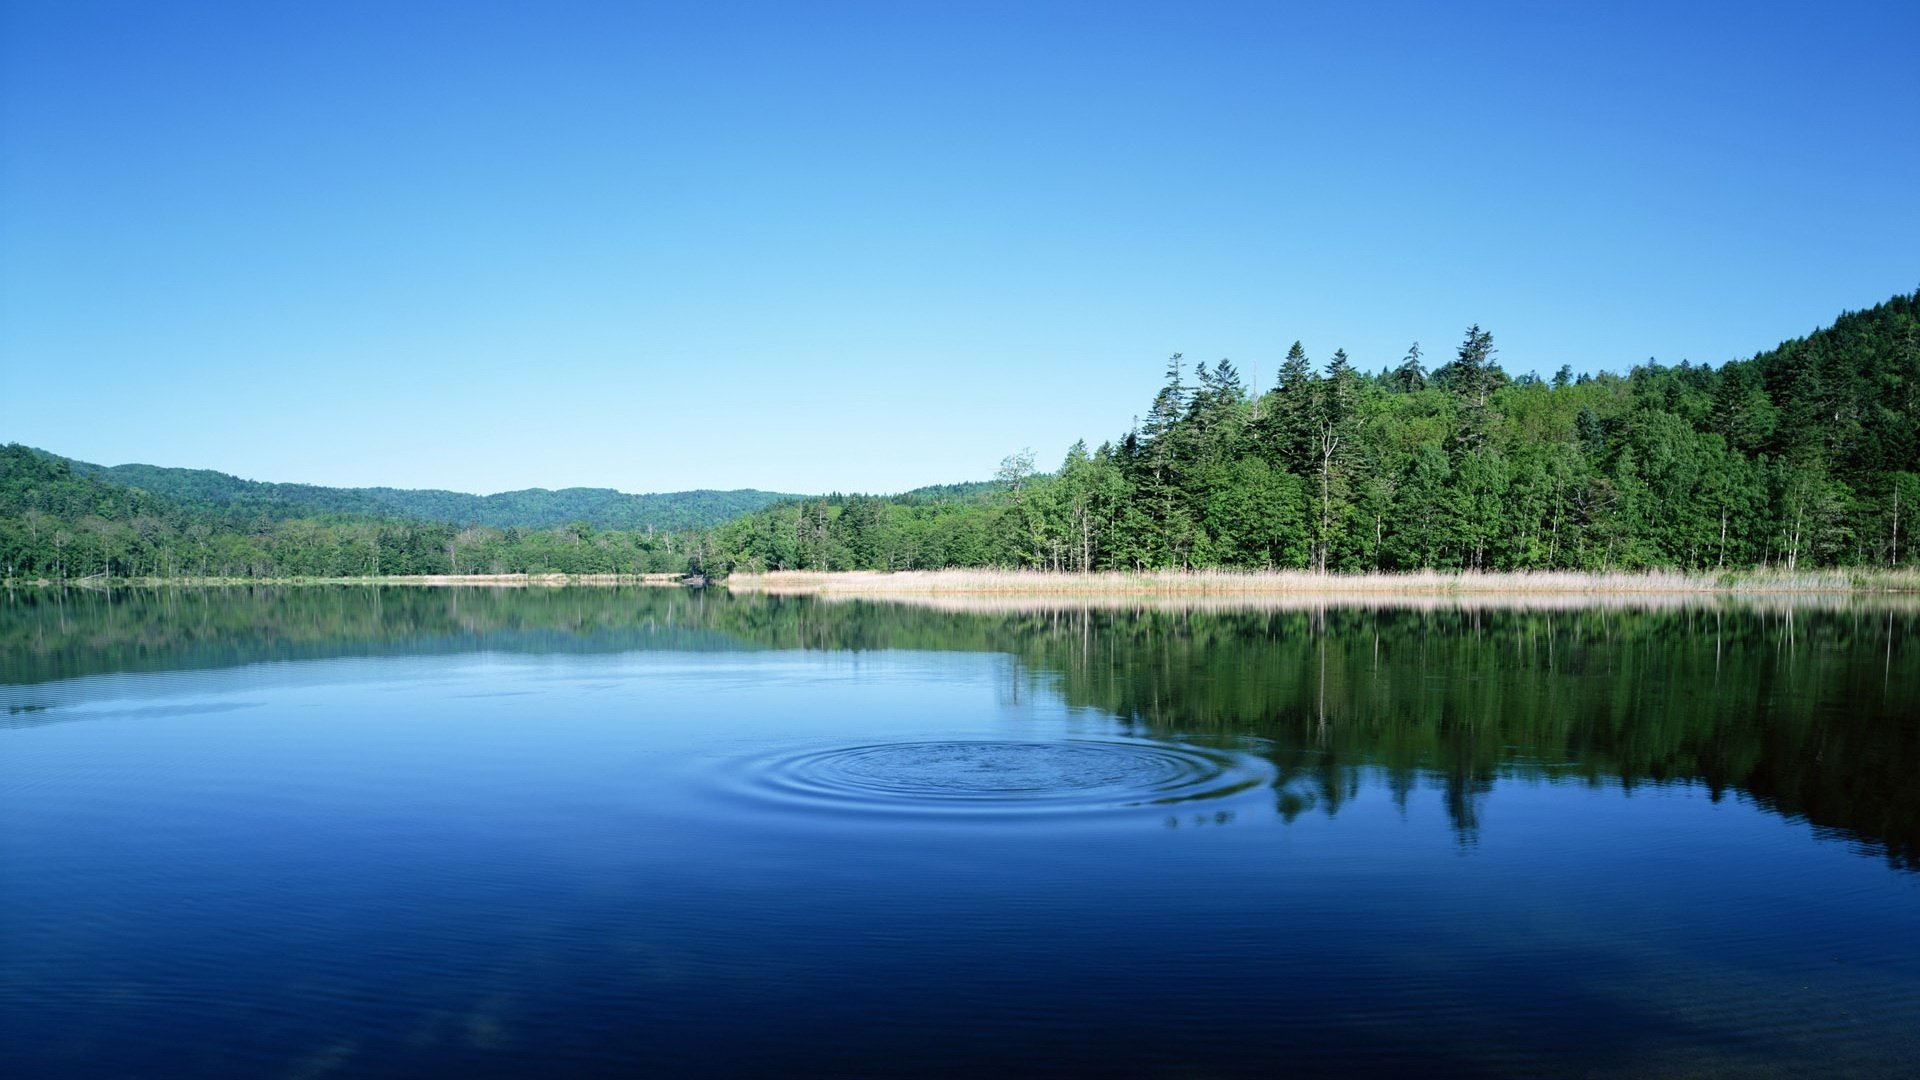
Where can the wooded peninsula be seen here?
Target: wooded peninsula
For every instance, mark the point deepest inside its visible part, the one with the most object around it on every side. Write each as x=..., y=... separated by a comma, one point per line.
x=1806, y=456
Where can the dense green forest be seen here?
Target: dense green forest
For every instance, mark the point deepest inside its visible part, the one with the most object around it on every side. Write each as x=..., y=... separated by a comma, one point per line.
x=534, y=508
x=60, y=521
x=1805, y=455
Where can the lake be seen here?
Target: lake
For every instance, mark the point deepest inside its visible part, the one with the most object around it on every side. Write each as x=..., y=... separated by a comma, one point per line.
x=387, y=831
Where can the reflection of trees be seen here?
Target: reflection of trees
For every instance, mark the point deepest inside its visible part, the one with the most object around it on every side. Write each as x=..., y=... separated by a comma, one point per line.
x=1465, y=792
x=46, y=635
x=1802, y=710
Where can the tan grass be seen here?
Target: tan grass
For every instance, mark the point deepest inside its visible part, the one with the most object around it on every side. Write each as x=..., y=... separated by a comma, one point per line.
x=1229, y=584
x=1195, y=603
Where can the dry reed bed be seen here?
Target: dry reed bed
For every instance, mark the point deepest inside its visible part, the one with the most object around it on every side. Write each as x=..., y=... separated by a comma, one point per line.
x=1779, y=603
x=1306, y=587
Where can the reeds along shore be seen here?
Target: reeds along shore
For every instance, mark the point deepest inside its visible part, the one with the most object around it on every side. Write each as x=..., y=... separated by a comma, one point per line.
x=1295, y=583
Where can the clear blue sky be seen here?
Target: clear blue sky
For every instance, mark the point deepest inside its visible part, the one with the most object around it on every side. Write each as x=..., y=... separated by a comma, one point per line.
x=816, y=246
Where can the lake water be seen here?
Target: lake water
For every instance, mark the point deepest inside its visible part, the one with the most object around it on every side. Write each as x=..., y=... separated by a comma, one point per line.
x=365, y=832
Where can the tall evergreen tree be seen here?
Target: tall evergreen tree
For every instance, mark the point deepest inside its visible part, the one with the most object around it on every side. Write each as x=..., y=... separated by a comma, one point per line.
x=1409, y=377
x=1288, y=422
x=1471, y=378
x=1335, y=402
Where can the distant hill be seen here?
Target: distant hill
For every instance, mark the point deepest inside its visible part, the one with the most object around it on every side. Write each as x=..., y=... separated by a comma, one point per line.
x=62, y=519
x=970, y=493
x=967, y=493
x=47, y=484
x=535, y=508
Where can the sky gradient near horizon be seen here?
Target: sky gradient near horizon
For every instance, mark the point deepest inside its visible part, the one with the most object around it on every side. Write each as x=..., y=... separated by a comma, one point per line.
x=869, y=246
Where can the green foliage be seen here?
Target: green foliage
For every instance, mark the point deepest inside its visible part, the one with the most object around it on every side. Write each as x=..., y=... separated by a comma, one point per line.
x=216, y=493
x=61, y=520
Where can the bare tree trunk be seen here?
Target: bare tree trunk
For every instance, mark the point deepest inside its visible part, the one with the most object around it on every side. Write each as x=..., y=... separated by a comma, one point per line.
x=1328, y=444
x=1793, y=552
x=1086, y=541
x=1896, y=525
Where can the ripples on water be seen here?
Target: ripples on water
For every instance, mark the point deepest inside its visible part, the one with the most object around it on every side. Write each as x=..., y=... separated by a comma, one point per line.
x=998, y=777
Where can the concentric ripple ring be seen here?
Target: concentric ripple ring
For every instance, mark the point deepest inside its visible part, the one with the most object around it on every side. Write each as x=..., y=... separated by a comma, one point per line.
x=981, y=775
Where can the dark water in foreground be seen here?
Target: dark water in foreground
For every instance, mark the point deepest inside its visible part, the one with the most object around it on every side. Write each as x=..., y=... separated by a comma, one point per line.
x=459, y=832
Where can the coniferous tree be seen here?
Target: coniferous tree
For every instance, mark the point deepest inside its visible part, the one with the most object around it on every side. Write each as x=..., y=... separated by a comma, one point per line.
x=1409, y=377
x=1471, y=378
x=1288, y=421
x=1335, y=402
x=1160, y=469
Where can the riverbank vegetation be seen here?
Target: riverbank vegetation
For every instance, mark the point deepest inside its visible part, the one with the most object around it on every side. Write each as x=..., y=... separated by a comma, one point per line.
x=1804, y=458
x=1282, y=583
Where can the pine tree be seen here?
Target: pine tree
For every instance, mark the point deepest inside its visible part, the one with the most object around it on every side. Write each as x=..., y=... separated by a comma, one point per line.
x=1591, y=433
x=1162, y=459
x=1409, y=377
x=1334, y=404
x=1471, y=377
x=1288, y=434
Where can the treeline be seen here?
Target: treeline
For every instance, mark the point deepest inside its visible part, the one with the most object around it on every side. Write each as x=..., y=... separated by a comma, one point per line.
x=62, y=520
x=61, y=523
x=1805, y=455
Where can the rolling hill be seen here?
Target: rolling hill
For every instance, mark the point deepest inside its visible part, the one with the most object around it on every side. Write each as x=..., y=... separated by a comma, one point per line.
x=533, y=508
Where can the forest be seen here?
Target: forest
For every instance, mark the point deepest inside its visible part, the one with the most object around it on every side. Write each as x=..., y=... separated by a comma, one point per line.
x=59, y=522
x=533, y=508
x=1806, y=455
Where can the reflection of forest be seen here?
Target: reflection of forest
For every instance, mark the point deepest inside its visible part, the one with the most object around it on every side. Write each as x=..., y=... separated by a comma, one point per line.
x=1807, y=711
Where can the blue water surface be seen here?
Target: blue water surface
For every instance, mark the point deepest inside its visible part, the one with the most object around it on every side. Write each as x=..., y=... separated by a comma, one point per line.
x=893, y=861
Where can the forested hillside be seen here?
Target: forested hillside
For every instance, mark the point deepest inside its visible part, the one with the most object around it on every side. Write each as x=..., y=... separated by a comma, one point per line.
x=1807, y=454
x=58, y=521
x=217, y=493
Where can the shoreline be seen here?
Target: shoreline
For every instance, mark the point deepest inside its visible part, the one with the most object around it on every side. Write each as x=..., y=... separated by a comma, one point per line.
x=1228, y=584
x=1212, y=584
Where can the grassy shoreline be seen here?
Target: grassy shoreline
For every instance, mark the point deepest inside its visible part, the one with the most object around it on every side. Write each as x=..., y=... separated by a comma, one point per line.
x=1295, y=583
x=1218, y=584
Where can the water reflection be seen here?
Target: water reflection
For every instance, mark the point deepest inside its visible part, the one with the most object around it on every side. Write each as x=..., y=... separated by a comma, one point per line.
x=1804, y=709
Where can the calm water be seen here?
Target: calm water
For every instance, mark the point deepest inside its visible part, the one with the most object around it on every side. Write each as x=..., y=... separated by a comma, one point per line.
x=362, y=832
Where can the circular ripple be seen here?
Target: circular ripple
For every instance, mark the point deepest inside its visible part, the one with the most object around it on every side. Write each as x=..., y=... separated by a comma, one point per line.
x=981, y=775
